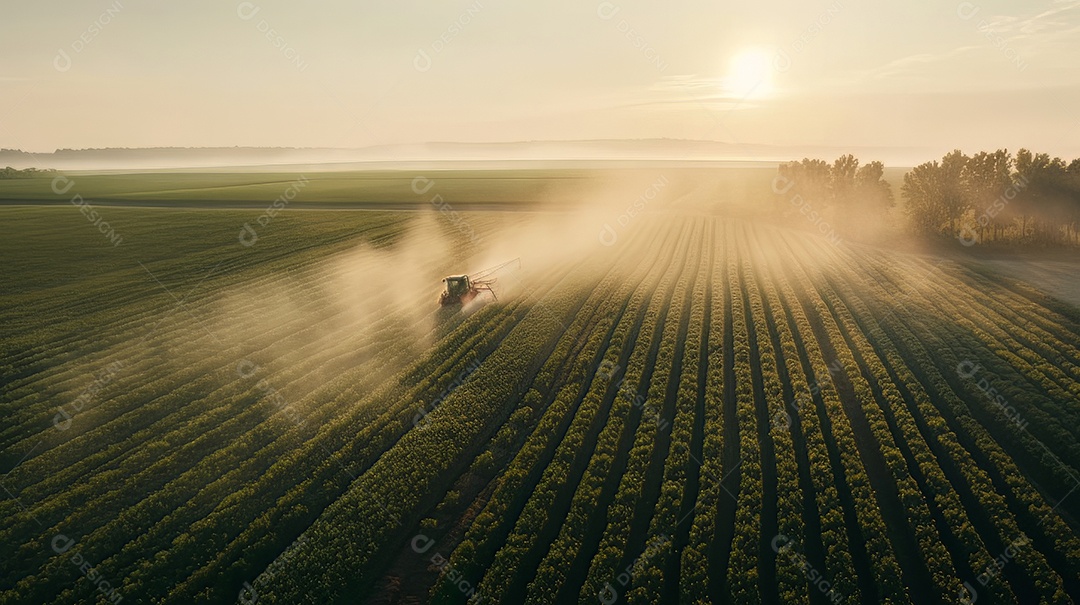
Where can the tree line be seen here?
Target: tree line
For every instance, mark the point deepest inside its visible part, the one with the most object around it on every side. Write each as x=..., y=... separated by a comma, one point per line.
x=995, y=196
x=837, y=197
x=1029, y=197
x=14, y=173
x=841, y=184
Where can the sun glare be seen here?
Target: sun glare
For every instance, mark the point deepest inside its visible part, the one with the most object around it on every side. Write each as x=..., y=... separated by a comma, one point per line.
x=749, y=75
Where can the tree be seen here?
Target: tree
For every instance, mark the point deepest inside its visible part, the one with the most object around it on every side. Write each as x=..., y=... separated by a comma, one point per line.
x=1073, y=170
x=936, y=198
x=871, y=189
x=954, y=198
x=986, y=179
x=1044, y=199
x=1072, y=183
x=802, y=183
x=922, y=189
x=842, y=179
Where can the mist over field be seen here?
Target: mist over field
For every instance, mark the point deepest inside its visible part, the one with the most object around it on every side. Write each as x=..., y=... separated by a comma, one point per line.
x=462, y=303
x=466, y=155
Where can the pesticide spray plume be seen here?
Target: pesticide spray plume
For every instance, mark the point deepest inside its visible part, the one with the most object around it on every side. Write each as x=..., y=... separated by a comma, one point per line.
x=369, y=306
x=344, y=322
x=373, y=305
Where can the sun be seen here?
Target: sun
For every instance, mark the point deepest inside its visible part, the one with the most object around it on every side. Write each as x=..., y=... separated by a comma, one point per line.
x=749, y=74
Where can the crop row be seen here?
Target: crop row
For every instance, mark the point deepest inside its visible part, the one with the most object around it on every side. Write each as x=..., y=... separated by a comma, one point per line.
x=670, y=492
x=384, y=499
x=826, y=551
x=876, y=393
x=867, y=533
x=694, y=568
x=646, y=384
x=589, y=495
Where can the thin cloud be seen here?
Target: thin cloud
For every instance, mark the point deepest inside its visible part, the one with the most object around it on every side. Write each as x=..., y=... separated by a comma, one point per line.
x=1033, y=35
x=911, y=65
x=1043, y=21
x=692, y=88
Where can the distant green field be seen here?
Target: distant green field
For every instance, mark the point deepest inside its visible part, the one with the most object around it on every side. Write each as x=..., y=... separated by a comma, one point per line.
x=392, y=187
x=321, y=187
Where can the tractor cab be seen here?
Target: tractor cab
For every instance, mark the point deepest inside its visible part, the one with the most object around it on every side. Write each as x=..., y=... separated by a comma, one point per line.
x=457, y=285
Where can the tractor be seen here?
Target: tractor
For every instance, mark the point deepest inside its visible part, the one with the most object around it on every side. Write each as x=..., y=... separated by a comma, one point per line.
x=461, y=289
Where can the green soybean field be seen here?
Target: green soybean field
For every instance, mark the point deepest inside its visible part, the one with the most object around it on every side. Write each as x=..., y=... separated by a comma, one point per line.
x=227, y=406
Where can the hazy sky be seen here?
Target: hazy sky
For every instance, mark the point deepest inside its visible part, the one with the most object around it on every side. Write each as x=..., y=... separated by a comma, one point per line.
x=347, y=73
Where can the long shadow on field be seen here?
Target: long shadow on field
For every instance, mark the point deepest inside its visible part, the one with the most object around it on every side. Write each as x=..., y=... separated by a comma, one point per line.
x=929, y=327
x=864, y=577
x=1016, y=577
x=916, y=576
